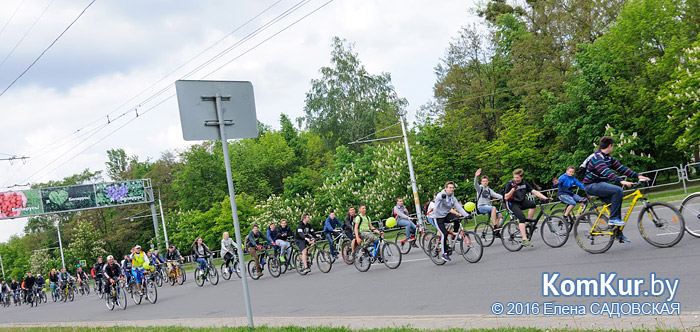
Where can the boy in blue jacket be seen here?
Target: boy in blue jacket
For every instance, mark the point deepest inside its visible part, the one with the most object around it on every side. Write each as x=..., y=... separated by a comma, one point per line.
x=567, y=181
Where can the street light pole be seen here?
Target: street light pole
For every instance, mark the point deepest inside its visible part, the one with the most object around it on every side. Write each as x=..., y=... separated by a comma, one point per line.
x=60, y=243
x=414, y=186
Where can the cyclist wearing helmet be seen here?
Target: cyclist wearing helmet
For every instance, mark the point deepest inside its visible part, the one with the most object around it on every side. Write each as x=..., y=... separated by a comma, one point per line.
x=139, y=261
x=111, y=272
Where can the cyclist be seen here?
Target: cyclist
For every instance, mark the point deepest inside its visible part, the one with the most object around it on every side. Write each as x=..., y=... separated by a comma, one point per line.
x=349, y=227
x=364, y=229
x=156, y=259
x=229, y=249
x=14, y=286
x=484, y=195
x=81, y=275
x=402, y=219
x=53, y=280
x=4, y=290
x=111, y=272
x=516, y=200
x=430, y=211
x=127, y=265
x=254, y=243
x=139, y=262
x=40, y=282
x=329, y=231
x=64, y=278
x=305, y=235
x=28, y=285
x=567, y=181
x=272, y=235
x=201, y=253
x=282, y=240
x=173, y=256
x=97, y=273
x=445, y=207
x=599, y=174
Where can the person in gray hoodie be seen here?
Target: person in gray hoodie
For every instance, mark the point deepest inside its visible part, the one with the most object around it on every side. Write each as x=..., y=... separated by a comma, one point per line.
x=403, y=220
x=229, y=249
x=484, y=195
x=445, y=201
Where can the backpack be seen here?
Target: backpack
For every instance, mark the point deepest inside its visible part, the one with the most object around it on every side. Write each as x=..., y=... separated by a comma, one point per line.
x=581, y=171
x=425, y=208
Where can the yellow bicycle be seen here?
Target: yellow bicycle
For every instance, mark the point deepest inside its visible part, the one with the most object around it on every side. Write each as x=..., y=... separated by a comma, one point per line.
x=660, y=224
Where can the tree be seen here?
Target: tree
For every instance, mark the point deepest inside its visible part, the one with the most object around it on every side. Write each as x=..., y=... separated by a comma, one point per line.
x=86, y=243
x=347, y=103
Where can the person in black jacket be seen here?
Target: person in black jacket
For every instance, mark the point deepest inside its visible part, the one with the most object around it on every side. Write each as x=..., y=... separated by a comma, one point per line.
x=29, y=282
x=349, y=226
x=98, y=272
x=111, y=272
x=201, y=253
x=305, y=235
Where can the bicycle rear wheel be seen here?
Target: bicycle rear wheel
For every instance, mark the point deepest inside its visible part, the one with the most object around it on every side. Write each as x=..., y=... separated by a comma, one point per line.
x=274, y=266
x=484, y=231
x=510, y=236
x=181, y=275
x=554, y=231
x=199, y=277
x=363, y=260
x=391, y=255
x=402, y=242
x=471, y=247
x=434, y=246
x=690, y=211
x=595, y=240
x=213, y=275
x=324, y=260
x=425, y=240
x=225, y=271
x=661, y=224
x=346, y=251
x=299, y=264
x=252, y=271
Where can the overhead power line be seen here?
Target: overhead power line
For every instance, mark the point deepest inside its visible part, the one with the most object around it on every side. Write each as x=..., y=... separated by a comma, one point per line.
x=49, y=47
x=26, y=33
x=11, y=17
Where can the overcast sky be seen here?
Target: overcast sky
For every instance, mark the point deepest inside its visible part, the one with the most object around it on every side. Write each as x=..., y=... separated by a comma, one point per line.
x=120, y=54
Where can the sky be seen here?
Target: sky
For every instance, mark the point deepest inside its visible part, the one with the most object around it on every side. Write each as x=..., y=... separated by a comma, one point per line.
x=121, y=58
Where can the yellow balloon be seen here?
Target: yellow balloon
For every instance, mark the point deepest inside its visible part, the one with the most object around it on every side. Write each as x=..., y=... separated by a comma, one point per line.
x=470, y=206
x=391, y=222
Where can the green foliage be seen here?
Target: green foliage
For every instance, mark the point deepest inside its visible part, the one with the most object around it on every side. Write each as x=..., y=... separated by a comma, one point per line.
x=86, y=243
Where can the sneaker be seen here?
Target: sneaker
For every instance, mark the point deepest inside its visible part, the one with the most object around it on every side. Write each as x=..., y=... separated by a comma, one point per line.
x=306, y=270
x=446, y=257
x=624, y=239
x=527, y=244
x=282, y=259
x=616, y=222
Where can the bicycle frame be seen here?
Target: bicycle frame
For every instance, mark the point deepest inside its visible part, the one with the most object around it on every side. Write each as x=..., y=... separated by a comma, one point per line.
x=636, y=195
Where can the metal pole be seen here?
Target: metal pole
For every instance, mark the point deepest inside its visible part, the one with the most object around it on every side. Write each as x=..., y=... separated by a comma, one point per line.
x=154, y=214
x=683, y=176
x=162, y=218
x=416, y=199
x=234, y=209
x=60, y=245
x=3, y=267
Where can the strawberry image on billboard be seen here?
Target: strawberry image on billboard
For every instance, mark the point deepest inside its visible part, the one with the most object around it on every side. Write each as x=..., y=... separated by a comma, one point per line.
x=21, y=203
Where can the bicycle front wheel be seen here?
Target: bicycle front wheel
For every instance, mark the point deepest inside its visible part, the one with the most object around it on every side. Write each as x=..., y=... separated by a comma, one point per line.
x=151, y=291
x=402, y=242
x=554, y=231
x=346, y=251
x=121, y=297
x=471, y=247
x=225, y=271
x=199, y=277
x=591, y=237
x=434, y=246
x=391, y=255
x=213, y=275
x=362, y=260
x=510, y=236
x=661, y=224
x=253, y=271
x=274, y=266
x=109, y=302
x=324, y=260
x=690, y=211
x=484, y=231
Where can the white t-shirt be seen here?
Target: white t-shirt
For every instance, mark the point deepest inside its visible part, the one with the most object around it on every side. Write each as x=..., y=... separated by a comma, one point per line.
x=431, y=208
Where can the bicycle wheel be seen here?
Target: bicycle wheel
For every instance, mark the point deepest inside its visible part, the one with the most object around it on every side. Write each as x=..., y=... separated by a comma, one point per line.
x=554, y=231
x=299, y=264
x=151, y=291
x=54, y=295
x=362, y=260
x=661, y=224
x=346, y=251
x=252, y=271
x=484, y=231
x=213, y=275
x=425, y=240
x=121, y=298
x=690, y=211
x=135, y=296
x=391, y=254
x=402, y=242
x=109, y=302
x=274, y=266
x=510, y=236
x=226, y=271
x=71, y=295
x=158, y=279
x=182, y=276
x=434, y=246
x=199, y=277
x=324, y=260
x=472, y=247
x=595, y=240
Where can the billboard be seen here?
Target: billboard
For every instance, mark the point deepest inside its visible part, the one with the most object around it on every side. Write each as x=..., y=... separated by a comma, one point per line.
x=32, y=202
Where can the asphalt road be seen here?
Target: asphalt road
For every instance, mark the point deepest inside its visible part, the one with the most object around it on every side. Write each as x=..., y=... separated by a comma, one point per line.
x=417, y=287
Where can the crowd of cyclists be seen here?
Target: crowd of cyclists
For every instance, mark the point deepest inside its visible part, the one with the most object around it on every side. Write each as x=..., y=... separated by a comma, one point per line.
x=445, y=210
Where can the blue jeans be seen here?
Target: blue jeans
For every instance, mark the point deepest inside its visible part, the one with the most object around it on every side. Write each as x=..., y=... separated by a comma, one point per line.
x=608, y=193
x=202, y=263
x=410, y=227
x=432, y=222
x=329, y=237
x=570, y=200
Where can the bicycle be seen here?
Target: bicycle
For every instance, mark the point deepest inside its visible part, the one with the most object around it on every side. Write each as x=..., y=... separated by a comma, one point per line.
x=158, y=275
x=176, y=274
x=382, y=251
x=690, y=211
x=83, y=287
x=554, y=230
x=55, y=294
x=41, y=294
x=116, y=295
x=323, y=258
x=209, y=273
x=470, y=246
x=67, y=292
x=272, y=262
x=485, y=231
x=148, y=288
x=405, y=244
x=595, y=235
x=17, y=297
x=99, y=290
x=586, y=205
x=341, y=244
x=6, y=299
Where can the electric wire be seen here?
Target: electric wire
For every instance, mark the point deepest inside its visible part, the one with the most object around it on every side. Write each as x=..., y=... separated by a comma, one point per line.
x=26, y=33
x=11, y=17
